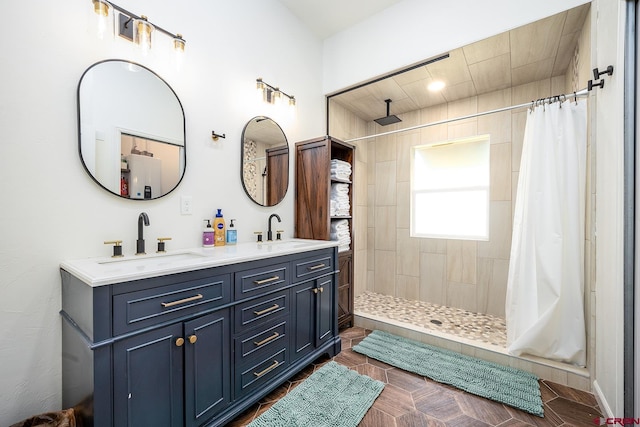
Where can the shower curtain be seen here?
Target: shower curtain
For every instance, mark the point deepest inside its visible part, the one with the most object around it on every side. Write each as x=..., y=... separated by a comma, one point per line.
x=544, y=305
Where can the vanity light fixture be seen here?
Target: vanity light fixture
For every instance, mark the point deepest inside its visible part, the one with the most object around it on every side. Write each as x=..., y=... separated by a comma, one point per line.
x=137, y=29
x=273, y=95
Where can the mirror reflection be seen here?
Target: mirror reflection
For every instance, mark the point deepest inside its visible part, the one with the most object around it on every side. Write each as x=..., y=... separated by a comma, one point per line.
x=265, y=161
x=131, y=130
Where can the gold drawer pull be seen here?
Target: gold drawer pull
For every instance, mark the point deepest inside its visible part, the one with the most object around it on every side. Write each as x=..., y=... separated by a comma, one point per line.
x=321, y=288
x=315, y=290
x=266, y=310
x=182, y=301
x=270, y=368
x=266, y=340
x=315, y=267
x=179, y=342
x=270, y=279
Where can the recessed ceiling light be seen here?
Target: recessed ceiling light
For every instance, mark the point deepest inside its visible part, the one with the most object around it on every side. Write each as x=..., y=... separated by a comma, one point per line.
x=436, y=85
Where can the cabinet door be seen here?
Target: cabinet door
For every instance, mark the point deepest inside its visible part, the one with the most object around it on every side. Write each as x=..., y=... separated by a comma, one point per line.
x=312, y=190
x=345, y=290
x=303, y=305
x=207, y=366
x=313, y=315
x=148, y=379
x=324, y=310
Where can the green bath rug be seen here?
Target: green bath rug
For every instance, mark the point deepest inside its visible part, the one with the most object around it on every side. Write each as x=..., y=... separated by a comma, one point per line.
x=503, y=384
x=333, y=396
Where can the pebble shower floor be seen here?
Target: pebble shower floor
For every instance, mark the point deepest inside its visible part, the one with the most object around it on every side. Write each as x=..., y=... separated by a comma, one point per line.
x=480, y=328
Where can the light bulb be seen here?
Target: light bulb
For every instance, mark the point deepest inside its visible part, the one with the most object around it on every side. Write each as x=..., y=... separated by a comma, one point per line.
x=101, y=8
x=143, y=29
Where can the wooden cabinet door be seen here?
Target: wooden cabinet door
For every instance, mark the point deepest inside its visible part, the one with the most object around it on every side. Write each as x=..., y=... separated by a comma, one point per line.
x=148, y=379
x=345, y=290
x=312, y=190
x=207, y=366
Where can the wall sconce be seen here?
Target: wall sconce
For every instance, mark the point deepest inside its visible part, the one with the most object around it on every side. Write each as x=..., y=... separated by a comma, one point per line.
x=137, y=29
x=272, y=94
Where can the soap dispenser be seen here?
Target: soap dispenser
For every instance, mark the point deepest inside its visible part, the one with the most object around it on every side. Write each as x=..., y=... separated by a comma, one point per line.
x=208, y=235
x=219, y=229
x=232, y=234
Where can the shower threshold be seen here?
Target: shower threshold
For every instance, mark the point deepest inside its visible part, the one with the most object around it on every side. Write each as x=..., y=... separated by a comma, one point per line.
x=475, y=334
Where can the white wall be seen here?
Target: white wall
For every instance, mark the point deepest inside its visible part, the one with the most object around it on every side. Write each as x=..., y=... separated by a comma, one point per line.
x=608, y=23
x=378, y=45
x=52, y=210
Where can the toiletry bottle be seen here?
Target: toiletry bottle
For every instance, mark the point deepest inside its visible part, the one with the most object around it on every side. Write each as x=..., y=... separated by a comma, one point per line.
x=218, y=229
x=207, y=235
x=232, y=234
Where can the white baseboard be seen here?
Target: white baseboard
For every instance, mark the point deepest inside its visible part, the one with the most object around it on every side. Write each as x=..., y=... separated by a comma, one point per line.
x=602, y=402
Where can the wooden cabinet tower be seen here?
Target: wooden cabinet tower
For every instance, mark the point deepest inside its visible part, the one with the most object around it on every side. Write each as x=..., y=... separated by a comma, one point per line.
x=319, y=217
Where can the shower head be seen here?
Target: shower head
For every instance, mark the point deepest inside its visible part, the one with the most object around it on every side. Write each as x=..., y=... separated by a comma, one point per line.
x=388, y=119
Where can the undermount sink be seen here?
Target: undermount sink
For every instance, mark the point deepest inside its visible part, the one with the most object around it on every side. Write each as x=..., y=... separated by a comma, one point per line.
x=283, y=245
x=155, y=259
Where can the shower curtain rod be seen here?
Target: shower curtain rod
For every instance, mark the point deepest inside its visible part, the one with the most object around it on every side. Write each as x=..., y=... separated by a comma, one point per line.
x=548, y=100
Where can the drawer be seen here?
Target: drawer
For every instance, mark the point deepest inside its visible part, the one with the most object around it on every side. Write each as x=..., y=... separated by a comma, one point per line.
x=257, y=281
x=139, y=309
x=314, y=266
x=256, y=344
x=260, y=310
x=257, y=374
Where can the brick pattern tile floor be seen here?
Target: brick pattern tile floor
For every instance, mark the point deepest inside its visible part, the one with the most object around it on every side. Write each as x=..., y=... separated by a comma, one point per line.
x=410, y=400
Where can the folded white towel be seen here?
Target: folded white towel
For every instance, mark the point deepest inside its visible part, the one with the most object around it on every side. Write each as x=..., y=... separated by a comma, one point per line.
x=340, y=162
x=339, y=225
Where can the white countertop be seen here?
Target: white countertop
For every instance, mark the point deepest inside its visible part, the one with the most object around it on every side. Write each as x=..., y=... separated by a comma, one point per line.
x=106, y=270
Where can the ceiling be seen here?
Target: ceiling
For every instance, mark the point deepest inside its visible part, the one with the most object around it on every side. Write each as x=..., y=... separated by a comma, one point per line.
x=327, y=17
x=533, y=52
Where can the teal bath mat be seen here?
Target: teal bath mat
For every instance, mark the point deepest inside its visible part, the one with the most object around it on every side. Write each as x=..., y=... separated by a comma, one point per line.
x=333, y=396
x=503, y=384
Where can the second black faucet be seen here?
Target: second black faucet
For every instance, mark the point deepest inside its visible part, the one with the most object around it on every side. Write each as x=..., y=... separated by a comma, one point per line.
x=269, y=232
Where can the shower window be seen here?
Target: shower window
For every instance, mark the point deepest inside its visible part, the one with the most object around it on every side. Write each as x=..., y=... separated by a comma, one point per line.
x=450, y=189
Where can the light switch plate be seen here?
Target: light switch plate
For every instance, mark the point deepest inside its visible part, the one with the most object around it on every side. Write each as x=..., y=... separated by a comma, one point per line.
x=186, y=205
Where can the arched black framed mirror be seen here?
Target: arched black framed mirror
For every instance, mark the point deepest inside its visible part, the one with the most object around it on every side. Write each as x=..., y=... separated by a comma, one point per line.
x=264, y=171
x=131, y=130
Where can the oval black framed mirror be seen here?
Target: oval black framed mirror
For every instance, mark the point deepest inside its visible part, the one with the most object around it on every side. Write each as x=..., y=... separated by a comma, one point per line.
x=131, y=130
x=264, y=171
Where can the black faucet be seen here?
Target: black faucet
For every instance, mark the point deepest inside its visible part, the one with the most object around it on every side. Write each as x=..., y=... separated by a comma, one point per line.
x=269, y=233
x=143, y=218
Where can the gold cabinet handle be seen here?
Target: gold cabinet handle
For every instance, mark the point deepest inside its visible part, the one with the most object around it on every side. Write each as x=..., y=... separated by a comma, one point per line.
x=179, y=342
x=321, y=288
x=270, y=279
x=270, y=368
x=193, y=339
x=315, y=290
x=315, y=267
x=266, y=340
x=182, y=301
x=266, y=310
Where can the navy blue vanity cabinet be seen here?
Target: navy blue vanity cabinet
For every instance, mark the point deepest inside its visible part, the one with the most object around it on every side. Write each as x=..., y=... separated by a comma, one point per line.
x=195, y=348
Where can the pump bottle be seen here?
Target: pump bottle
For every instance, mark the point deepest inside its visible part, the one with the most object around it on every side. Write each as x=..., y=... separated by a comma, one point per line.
x=219, y=229
x=232, y=234
x=207, y=235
